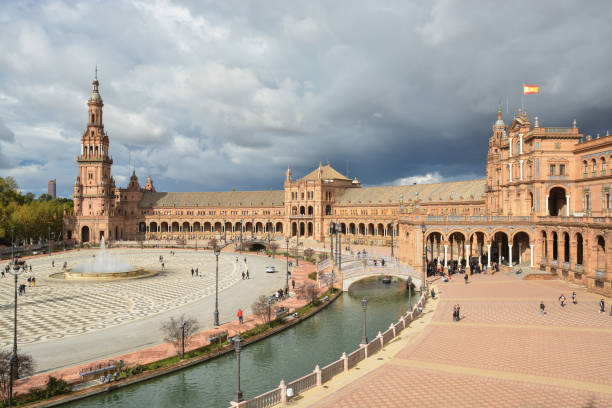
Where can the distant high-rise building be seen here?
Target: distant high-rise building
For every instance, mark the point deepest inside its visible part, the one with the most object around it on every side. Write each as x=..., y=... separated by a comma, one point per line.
x=51, y=188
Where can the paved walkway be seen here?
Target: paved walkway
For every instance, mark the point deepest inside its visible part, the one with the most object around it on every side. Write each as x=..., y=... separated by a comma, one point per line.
x=64, y=323
x=164, y=350
x=503, y=353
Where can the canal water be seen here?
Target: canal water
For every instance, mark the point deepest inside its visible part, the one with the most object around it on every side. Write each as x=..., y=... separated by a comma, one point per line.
x=288, y=355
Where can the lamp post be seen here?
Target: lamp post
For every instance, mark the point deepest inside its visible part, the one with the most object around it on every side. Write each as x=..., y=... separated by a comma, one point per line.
x=216, y=314
x=268, y=231
x=339, y=239
x=224, y=233
x=241, y=228
x=331, y=241
x=287, y=274
x=183, y=341
x=409, y=283
x=424, y=285
x=237, y=347
x=269, y=310
x=297, y=244
x=12, y=373
x=49, y=240
x=364, y=305
x=392, y=232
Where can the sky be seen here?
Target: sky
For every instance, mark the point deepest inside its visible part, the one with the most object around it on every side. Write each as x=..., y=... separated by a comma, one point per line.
x=215, y=95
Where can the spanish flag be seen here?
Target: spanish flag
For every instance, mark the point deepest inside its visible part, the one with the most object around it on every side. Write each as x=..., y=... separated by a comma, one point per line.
x=531, y=89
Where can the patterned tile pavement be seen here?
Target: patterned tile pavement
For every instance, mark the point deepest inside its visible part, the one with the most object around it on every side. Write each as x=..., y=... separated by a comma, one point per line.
x=504, y=353
x=56, y=308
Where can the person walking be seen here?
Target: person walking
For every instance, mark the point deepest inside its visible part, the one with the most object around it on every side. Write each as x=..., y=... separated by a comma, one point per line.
x=542, y=307
x=602, y=306
x=197, y=272
x=458, y=312
x=33, y=281
x=562, y=300
x=465, y=277
x=239, y=314
x=293, y=284
x=243, y=275
x=247, y=274
x=574, y=301
x=192, y=272
x=455, y=312
x=53, y=264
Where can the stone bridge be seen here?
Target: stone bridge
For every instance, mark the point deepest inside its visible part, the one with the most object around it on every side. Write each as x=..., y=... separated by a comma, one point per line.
x=356, y=269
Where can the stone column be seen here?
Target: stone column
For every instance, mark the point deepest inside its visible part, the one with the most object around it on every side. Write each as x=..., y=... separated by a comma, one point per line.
x=445, y=256
x=488, y=255
x=521, y=168
x=510, y=168
x=510, y=255
x=499, y=252
x=546, y=205
x=531, y=254
x=510, y=147
x=567, y=205
x=520, y=260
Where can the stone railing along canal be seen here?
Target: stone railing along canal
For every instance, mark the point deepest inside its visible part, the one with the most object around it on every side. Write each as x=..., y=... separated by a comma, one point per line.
x=318, y=377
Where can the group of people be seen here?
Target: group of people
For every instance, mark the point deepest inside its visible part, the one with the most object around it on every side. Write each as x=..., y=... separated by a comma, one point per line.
x=195, y=272
x=457, y=312
x=562, y=302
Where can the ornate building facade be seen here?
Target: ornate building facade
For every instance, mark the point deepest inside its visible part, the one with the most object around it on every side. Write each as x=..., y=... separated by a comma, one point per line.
x=545, y=203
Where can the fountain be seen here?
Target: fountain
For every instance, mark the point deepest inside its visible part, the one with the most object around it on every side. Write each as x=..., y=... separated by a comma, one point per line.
x=104, y=266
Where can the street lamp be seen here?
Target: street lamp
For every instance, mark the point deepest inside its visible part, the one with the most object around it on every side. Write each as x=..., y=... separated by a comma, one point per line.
x=269, y=310
x=49, y=240
x=332, y=226
x=297, y=244
x=392, y=232
x=216, y=314
x=224, y=233
x=12, y=373
x=268, y=231
x=409, y=283
x=424, y=285
x=237, y=347
x=241, y=228
x=183, y=340
x=287, y=274
x=364, y=305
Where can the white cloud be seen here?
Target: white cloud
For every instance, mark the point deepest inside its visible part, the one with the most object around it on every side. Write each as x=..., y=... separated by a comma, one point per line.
x=427, y=178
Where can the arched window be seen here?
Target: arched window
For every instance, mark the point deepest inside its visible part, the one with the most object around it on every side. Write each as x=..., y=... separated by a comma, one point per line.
x=603, y=166
x=594, y=166
x=585, y=168
x=93, y=118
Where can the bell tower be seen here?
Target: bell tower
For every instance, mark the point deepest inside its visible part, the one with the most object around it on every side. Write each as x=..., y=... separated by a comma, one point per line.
x=92, y=195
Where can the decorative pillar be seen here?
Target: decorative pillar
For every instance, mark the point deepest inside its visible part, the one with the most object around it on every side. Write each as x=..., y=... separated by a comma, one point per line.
x=510, y=255
x=510, y=169
x=445, y=256
x=521, y=168
x=520, y=144
x=546, y=205
x=531, y=255
x=567, y=205
x=520, y=256
x=499, y=252
x=488, y=255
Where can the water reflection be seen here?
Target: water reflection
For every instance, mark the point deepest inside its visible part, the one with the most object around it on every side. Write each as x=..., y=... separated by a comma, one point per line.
x=288, y=355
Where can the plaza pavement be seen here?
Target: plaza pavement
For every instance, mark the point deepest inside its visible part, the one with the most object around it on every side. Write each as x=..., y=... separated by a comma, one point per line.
x=163, y=350
x=65, y=323
x=503, y=353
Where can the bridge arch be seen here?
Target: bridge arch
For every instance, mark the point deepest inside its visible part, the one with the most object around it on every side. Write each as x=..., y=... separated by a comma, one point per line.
x=348, y=281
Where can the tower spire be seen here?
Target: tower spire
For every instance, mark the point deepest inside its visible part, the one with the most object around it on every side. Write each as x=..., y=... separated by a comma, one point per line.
x=96, y=73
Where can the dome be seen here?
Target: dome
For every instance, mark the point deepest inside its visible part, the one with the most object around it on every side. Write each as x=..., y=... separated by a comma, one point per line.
x=95, y=95
x=500, y=123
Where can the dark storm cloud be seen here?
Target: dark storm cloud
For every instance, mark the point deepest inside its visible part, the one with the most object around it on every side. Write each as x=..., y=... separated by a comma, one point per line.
x=221, y=95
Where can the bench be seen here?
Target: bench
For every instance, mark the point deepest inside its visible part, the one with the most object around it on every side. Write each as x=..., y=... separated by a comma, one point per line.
x=218, y=338
x=281, y=312
x=102, y=370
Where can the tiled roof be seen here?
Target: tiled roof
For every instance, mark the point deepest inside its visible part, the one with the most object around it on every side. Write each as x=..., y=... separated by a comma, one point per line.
x=327, y=172
x=214, y=199
x=457, y=191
